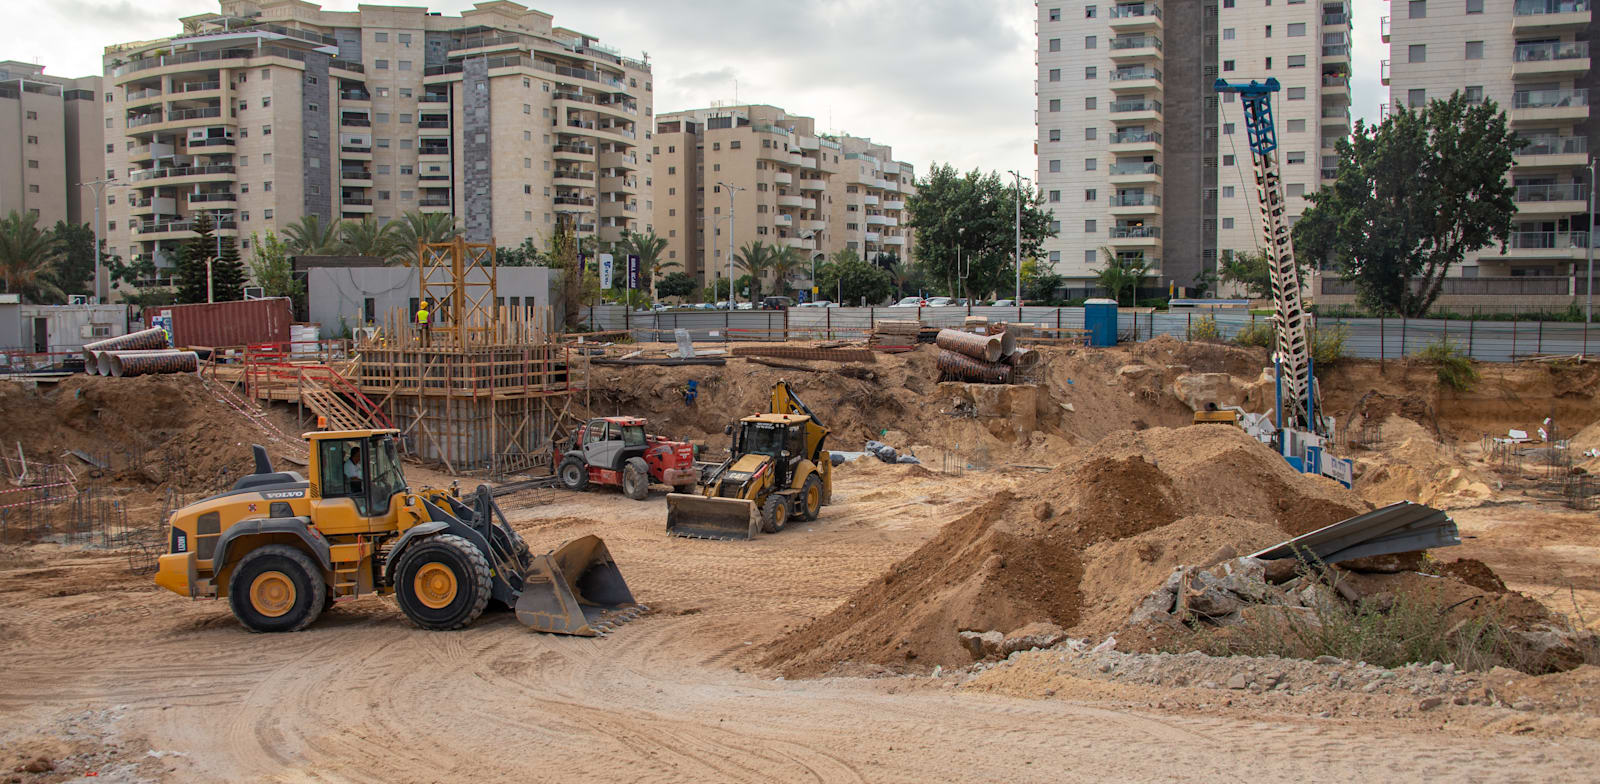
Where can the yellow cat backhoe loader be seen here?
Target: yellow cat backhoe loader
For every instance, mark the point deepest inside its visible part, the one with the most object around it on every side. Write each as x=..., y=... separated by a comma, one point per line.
x=281, y=548
x=777, y=469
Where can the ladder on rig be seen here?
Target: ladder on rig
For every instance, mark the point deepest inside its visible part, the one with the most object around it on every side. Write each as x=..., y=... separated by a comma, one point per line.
x=1289, y=314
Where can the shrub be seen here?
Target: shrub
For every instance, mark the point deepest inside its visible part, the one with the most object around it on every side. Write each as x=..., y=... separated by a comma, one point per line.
x=1327, y=345
x=1204, y=328
x=1256, y=333
x=1454, y=366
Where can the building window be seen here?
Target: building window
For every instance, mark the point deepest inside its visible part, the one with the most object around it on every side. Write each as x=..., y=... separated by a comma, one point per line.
x=1091, y=42
x=405, y=39
x=405, y=117
x=1474, y=93
x=381, y=38
x=1055, y=74
x=1227, y=129
x=1089, y=11
x=33, y=140
x=1055, y=104
x=1055, y=44
x=1055, y=14
x=267, y=186
x=1090, y=103
x=1474, y=6
x=405, y=65
x=1295, y=61
x=1055, y=227
x=1474, y=50
x=1090, y=133
x=1297, y=189
x=1090, y=194
x=1089, y=226
x=1227, y=191
x=1090, y=72
x=1297, y=30
x=383, y=117
x=1055, y=134
x=1418, y=10
x=734, y=145
x=1269, y=31
x=382, y=65
x=1227, y=34
x=1055, y=196
x=1296, y=157
x=1227, y=65
x=1227, y=223
x=266, y=214
x=1090, y=164
x=1297, y=94
x=1417, y=98
x=266, y=101
x=35, y=189
x=1055, y=165
x=1418, y=53
x=1295, y=126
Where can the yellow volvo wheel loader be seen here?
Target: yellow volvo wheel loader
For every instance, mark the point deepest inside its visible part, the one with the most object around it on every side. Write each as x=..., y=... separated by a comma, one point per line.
x=281, y=548
x=777, y=469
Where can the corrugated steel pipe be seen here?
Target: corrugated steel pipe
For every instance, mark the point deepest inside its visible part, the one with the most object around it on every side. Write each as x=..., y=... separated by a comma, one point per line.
x=963, y=366
x=144, y=339
x=144, y=363
x=103, y=358
x=984, y=347
x=91, y=362
x=1022, y=358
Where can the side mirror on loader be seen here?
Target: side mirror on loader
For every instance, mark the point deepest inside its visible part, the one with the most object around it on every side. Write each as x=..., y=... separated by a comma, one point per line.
x=728, y=430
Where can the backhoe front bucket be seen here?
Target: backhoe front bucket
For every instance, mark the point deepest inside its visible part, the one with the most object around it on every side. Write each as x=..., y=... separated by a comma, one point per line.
x=576, y=589
x=702, y=517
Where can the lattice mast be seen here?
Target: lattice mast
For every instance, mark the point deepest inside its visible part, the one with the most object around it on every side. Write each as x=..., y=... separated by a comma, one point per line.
x=1289, y=314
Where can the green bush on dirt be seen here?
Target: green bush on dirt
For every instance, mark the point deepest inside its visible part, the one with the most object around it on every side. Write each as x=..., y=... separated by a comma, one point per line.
x=1205, y=328
x=1327, y=344
x=1454, y=366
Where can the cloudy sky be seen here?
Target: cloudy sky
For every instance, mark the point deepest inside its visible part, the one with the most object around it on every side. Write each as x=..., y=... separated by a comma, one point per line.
x=940, y=80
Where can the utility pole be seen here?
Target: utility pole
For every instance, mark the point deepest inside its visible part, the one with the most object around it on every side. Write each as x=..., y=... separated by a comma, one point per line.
x=1588, y=305
x=98, y=187
x=731, y=293
x=1018, y=299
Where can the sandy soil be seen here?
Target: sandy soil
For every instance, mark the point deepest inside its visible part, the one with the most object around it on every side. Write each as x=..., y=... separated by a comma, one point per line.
x=105, y=673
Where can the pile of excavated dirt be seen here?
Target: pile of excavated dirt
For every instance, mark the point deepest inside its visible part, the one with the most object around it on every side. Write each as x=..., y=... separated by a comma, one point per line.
x=1410, y=464
x=1052, y=550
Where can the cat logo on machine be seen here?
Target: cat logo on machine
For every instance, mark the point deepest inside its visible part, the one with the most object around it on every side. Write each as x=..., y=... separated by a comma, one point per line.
x=284, y=494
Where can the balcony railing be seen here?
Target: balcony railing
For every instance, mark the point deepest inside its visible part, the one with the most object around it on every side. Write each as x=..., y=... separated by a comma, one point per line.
x=1335, y=19
x=1549, y=99
x=216, y=141
x=433, y=98
x=579, y=149
x=434, y=202
x=355, y=95
x=1537, y=7
x=1135, y=232
x=1136, y=200
x=1548, y=240
x=148, y=119
x=1565, y=192
x=195, y=114
x=573, y=174
x=182, y=171
x=1139, y=105
x=1566, y=50
x=576, y=201
x=355, y=148
x=356, y=122
x=433, y=123
x=151, y=227
x=1135, y=73
x=149, y=92
x=1556, y=145
x=1129, y=11
x=194, y=87
x=357, y=200
x=201, y=198
x=355, y=174
x=1336, y=50
x=1135, y=137
x=1335, y=111
x=1135, y=167
x=433, y=150
x=1336, y=81
x=1136, y=42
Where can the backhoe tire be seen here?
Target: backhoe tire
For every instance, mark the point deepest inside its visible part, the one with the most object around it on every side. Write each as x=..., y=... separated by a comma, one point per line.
x=443, y=582
x=276, y=588
x=574, y=474
x=774, y=513
x=636, y=479
x=811, y=498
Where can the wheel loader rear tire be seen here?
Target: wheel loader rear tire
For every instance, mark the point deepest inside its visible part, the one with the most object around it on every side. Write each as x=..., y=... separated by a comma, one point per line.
x=811, y=498
x=276, y=588
x=574, y=474
x=774, y=513
x=443, y=582
x=636, y=479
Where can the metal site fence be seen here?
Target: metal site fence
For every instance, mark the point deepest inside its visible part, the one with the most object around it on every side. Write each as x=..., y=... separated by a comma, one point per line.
x=1364, y=338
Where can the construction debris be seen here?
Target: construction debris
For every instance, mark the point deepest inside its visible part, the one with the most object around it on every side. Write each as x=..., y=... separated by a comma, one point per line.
x=805, y=352
x=1397, y=528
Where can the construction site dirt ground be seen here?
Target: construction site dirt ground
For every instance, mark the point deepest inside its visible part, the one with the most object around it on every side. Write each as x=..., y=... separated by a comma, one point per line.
x=102, y=672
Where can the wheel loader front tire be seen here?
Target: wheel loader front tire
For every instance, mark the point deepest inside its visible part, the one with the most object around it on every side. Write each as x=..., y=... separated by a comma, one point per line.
x=811, y=498
x=443, y=582
x=636, y=479
x=574, y=474
x=774, y=513
x=276, y=588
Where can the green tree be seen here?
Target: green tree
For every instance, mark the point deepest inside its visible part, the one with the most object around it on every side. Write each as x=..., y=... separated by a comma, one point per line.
x=974, y=214
x=270, y=266
x=228, y=277
x=192, y=255
x=139, y=275
x=75, y=271
x=1413, y=196
x=754, y=258
x=1040, y=281
x=311, y=236
x=648, y=248
x=1121, y=274
x=1249, y=270
x=852, y=280
x=29, y=259
x=785, y=263
x=676, y=284
x=716, y=292
x=367, y=237
x=525, y=255
x=417, y=227
x=580, y=285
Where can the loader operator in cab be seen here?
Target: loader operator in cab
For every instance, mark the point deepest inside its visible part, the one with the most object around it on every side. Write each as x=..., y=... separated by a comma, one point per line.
x=352, y=469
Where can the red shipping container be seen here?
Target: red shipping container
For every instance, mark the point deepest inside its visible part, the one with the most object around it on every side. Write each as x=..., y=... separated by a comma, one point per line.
x=221, y=324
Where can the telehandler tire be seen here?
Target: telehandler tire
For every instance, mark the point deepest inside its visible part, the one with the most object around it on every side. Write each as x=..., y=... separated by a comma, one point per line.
x=276, y=588
x=636, y=479
x=574, y=474
x=443, y=582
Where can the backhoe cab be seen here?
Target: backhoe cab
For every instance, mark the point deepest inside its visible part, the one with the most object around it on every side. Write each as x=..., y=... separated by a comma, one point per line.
x=777, y=469
x=282, y=548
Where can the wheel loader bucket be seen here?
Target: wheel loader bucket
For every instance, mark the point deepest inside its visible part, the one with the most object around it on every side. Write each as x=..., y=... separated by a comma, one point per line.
x=576, y=589
x=702, y=517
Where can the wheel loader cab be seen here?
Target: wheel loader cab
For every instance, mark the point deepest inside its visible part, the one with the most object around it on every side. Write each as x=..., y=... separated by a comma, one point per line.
x=357, y=481
x=778, y=436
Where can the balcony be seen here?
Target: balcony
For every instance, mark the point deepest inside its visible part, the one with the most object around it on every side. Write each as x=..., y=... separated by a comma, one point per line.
x=1135, y=236
x=812, y=225
x=154, y=206
x=1135, y=48
x=574, y=152
x=1135, y=204
x=812, y=184
x=1552, y=200
x=574, y=178
x=1135, y=142
x=870, y=200
x=1552, y=59
x=1546, y=16
x=1335, y=20
x=1336, y=87
x=1135, y=173
x=1383, y=72
x=1547, y=244
x=808, y=162
x=428, y=150
x=153, y=150
x=894, y=205
x=783, y=178
x=873, y=236
x=796, y=242
x=614, y=159
x=355, y=121
x=1130, y=18
x=896, y=240
x=355, y=95
x=212, y=199
x=143, y=120
x=1383, y=29
x=1554, y=152
x=195, y=87
x=202, y=113
x=143, y=97
x=1545, y=105
x=783, y=220
x=356, y=178
x=434, y=204
x=574, y=203
x=1136, y=79
x=789, y=201
x=1336, y=53
x=1136, y=110
x=355, y=152
x=434, y=98
x=214, y=171
x=877, y=220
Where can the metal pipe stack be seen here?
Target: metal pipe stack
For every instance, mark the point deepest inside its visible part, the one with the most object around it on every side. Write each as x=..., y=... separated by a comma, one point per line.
x=992, y=358
x=144, y=363
x=963, y=366
x=144, y=339
x=988, y=348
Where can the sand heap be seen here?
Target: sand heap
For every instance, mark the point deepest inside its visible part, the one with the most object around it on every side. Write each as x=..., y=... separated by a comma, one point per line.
x=1410, y=464
x=1080, y=548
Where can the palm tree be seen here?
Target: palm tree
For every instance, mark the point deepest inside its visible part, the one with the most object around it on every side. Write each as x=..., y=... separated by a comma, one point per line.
x=755, y=258
x=28, y=259
x=417, y=227
x=367, y=237
x=309, y=236
x=1121, y=274
x=648, y=248
x=785, y=262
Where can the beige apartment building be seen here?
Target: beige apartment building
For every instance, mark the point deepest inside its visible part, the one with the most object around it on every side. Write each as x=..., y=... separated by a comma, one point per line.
x=1532, y=58
x=270, y=110
x=50, y=142
x=789, y=185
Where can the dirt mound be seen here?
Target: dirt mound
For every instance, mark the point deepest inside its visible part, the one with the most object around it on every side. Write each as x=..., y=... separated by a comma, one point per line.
x=1475, y=573
x=1410, y=464
x=1064, y=550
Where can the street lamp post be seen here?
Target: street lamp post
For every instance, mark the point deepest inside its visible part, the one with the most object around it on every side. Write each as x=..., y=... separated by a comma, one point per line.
x=1588, y=305
x=98, y=187
x=730, y=189
x=1018, y=299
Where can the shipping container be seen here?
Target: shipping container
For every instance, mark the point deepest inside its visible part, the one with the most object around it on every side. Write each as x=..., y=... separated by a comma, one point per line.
x=218, y=324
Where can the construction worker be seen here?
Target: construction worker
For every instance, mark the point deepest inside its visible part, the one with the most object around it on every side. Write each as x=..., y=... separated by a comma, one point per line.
x=422, y=321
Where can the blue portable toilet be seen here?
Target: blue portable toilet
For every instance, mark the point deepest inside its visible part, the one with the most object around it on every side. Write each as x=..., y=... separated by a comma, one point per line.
x=1100, y=319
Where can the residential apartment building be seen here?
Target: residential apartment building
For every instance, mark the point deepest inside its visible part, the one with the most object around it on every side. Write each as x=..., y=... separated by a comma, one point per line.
x=788, y=185
x=1139, y=155
x=275, y=109
x=1532, y=58
x=50, y=142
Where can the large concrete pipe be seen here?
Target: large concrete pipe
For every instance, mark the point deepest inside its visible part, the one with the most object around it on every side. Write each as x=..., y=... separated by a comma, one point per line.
x=983, y=347
x=145, y=363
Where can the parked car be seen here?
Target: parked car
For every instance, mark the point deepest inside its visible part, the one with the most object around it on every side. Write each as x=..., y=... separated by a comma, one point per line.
x=821, y=303
x=1005, y=303
x=745, y=306
x=910, y=302
x=940, y=302
x=777, y=303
